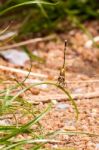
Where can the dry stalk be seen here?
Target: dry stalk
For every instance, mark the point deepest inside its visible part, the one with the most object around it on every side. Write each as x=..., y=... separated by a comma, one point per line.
x=28, y=42
x=24, y=72
x=62, y=97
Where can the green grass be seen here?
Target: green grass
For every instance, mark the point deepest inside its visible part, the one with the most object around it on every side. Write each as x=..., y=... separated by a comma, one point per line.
x=15, y=105
x=45, y=16
x=9, y=104
x=49, y=14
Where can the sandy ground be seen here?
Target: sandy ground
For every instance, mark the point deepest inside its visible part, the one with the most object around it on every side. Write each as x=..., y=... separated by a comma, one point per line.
x=82, y=64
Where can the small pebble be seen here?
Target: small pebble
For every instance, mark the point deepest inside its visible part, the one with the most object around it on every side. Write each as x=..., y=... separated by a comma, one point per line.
x=54, y=101
x=78, y=90
x=5, y=122
x=15, y=56
x=62, y=106
x=97, y=146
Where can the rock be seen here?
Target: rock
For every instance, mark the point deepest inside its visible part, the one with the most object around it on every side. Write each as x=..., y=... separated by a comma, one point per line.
x=14, y=56
x=78, y=90
x=54, y=101
x=5, y=122
x=97, y=146
x=89, y=43
x=62, y=106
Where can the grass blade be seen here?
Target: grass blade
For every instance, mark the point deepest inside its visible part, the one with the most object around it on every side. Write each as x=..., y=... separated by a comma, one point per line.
x=32, y=56
x=24, y=4
x=24, y=127
x=51, y=83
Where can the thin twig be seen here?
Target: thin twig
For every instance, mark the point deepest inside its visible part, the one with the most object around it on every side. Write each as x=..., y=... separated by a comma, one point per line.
x=44, y=141
x=31, y=81
x=24, y=72
x=62, y=97
x=28, y=42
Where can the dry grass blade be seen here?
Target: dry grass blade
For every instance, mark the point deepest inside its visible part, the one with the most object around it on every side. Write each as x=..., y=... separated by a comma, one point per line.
x=28, y=42
x=24, y=72
x=62, y=97
x=31, y=141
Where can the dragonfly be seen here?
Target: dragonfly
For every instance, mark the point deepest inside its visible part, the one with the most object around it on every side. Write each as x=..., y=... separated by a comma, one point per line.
x=61, y=78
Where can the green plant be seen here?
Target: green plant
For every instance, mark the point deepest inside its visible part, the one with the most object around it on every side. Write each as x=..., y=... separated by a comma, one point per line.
x=47, y=15
x=14, y=103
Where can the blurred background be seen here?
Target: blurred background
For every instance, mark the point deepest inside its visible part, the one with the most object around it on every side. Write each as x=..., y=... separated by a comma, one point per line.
x=32, y=35
x=37, y=17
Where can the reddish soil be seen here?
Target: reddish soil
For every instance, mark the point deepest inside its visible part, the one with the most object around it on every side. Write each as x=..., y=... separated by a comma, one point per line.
x=82, y=65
